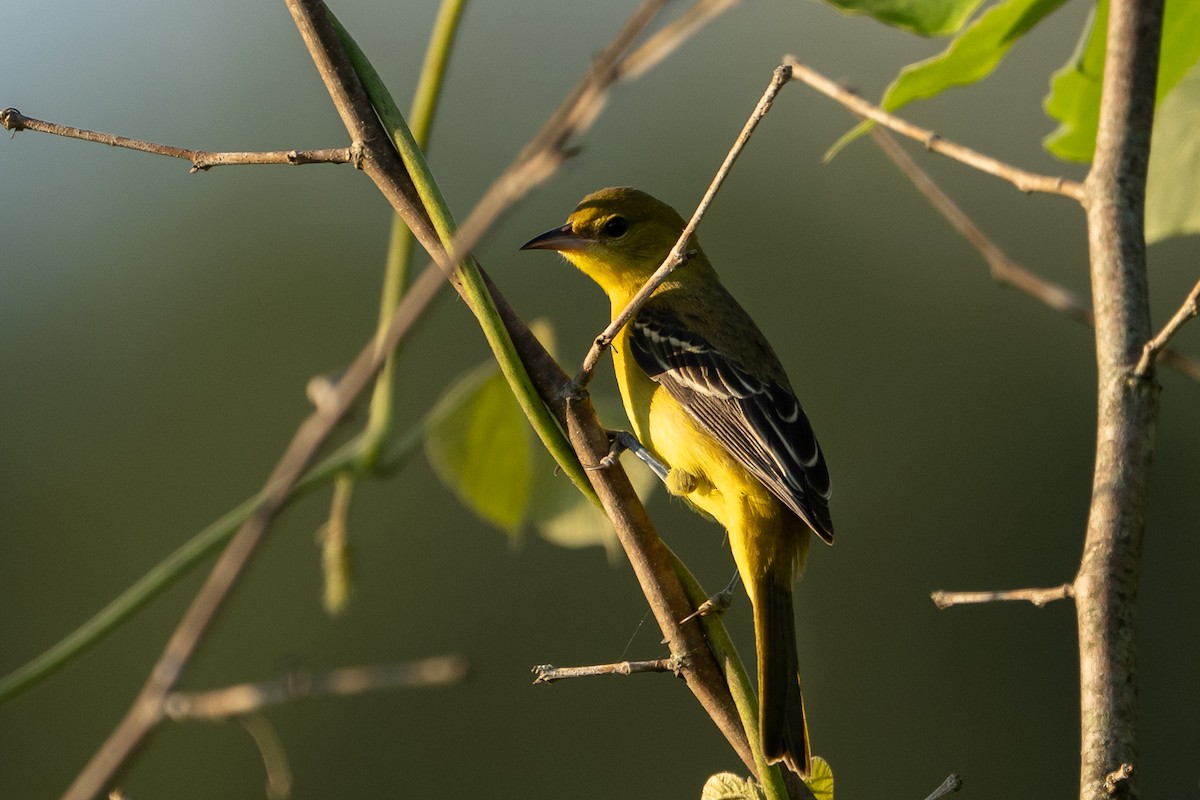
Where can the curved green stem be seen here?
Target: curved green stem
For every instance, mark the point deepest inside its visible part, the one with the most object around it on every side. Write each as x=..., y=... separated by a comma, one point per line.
x=424, y=107
x=164, y=575
x=476, y=293
x=769, y=775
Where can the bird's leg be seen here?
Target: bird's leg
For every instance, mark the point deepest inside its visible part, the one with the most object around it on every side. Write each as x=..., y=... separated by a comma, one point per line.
x=624, y=440
x=717, y=603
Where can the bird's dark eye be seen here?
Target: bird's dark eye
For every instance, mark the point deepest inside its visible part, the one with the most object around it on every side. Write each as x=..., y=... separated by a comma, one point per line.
x=615, y=228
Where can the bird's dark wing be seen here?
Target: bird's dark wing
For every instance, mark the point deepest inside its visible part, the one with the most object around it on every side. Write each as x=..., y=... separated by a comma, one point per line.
x=756, y=418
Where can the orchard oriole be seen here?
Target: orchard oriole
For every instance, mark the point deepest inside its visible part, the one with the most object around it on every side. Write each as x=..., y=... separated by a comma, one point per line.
x=707, y=396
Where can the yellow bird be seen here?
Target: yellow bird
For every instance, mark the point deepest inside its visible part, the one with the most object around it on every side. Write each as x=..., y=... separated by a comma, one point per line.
x=707, y=396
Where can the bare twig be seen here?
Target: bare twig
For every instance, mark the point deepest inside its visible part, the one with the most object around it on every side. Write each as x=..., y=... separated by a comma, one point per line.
x=678, y=254
x=1113, y=780
x=952, y=784
x=1189, y=309
x=246, y=698
x=548, y=673
x=14, y=120
x=1023, y=180
x=1039, y=597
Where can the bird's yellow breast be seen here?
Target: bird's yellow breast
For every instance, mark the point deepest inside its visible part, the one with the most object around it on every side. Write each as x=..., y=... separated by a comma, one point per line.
x=705, y=474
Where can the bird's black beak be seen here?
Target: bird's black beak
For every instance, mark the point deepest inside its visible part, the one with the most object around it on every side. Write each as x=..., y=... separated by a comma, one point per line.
x=559, y=239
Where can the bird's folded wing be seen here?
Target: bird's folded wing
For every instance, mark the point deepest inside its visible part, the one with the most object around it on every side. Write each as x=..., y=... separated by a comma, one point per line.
x=757, y=419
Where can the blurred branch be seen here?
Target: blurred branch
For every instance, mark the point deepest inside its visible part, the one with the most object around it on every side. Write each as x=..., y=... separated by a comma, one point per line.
x=147, y=709
x=1007, y=272
x=158, y=579
x=1003, y=270
x=666, y=39
x=548, y=673
x=1024, y=181
x=14, y=120
x=247, y=698
x=1039, y=597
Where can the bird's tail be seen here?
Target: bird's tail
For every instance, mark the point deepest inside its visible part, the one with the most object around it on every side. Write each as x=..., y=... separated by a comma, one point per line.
x=781, y=722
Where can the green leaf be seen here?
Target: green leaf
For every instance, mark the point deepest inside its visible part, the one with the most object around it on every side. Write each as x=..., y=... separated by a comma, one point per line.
x=477, y=440
x=971, y=57
x=1172, y=194
x=564, y=517
x=728, y=786
x=820, y=782
x=1180, y=44
x=1074, y=99
x=924, y=17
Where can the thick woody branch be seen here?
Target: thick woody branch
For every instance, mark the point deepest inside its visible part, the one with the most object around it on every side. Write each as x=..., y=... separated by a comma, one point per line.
x=1106, y=586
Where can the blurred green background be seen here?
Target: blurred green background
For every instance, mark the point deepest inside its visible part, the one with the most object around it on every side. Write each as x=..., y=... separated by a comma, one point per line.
x=157, y=330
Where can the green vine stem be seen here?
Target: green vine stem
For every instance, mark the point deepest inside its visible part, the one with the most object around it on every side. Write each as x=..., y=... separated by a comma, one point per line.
x=478, y=298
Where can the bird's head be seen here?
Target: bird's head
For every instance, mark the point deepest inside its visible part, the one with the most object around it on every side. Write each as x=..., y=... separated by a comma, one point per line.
x=617, y=237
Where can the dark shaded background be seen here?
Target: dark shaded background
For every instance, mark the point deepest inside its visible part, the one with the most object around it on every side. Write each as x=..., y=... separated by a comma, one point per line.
x=157, y=329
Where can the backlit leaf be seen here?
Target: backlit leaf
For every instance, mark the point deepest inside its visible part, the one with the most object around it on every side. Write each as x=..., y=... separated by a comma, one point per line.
x=925, y=17
x=478, y=442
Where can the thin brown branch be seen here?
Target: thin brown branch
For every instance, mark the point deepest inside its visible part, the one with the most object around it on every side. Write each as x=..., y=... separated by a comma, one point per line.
x=1023, y=180
x=653, y=565
x=548, y=673
x=14, y=120
x=247, y=698
x=1189, y=309
x=678, y=255
x=1039, y=597
x=1007, y=272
